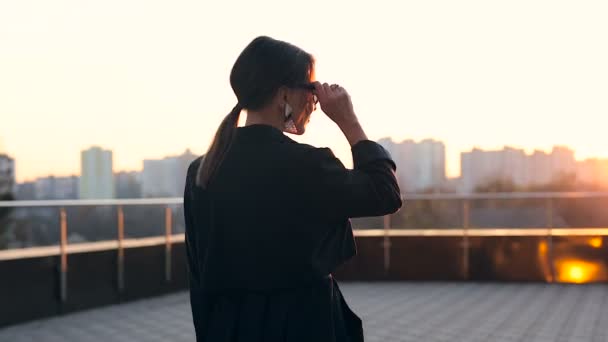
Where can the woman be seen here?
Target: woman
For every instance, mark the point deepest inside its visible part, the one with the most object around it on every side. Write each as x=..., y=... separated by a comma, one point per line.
x=267, y=218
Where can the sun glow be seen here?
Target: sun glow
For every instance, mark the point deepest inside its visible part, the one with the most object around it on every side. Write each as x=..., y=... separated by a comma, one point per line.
x=576, y=271
x=596, y=242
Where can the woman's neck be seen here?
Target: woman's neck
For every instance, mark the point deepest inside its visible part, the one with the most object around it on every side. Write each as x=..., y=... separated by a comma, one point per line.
x=264, y=118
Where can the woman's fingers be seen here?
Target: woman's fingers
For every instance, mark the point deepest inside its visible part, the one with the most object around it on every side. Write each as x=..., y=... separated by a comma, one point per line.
x=327, y=88
x=334, y=100
x=320, y=91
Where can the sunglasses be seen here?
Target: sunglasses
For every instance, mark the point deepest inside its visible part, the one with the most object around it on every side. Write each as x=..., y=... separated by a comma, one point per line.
x=311, y=88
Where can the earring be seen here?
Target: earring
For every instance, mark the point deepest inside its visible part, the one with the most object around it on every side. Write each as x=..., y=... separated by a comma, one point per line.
x=290, y=126
x=288, y=111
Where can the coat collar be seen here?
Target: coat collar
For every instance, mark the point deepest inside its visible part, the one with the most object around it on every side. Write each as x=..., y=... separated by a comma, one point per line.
x=260, y=133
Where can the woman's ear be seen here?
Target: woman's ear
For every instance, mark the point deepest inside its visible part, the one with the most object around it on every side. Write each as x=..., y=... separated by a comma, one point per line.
x=281, y=97
x=282, y=94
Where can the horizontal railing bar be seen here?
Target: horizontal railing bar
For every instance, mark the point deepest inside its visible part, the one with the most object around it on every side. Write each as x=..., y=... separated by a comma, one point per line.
x=32, y=252
x=506, y=195
x=179, y=200
x=86, y=247
x=95, y=202
x=481, y=232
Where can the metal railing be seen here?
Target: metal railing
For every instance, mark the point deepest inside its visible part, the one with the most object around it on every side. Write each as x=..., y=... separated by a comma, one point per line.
x=63, y=250
x=119, y=244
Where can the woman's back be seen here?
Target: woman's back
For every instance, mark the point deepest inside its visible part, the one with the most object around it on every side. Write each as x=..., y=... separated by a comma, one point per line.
x=269, y=223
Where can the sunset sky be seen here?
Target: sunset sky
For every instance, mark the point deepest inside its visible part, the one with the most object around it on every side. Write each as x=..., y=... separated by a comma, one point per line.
x=148, y=79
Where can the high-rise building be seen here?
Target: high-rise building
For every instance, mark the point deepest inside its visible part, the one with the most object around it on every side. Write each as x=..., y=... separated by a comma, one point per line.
x=478, y=167
x=56, y=188
x=539, y=168
x=593, y=172
x=96, y=176
x=7, y=175
x=544, y=167
x=128, y=184
x=420, y=166
x=514, y=165
x=562, y=161
x=26, y=191
x=166, y=177
x=431, y=171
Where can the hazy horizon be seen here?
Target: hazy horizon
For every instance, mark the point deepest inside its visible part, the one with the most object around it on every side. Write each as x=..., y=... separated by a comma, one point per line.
x=77, y=173
x=150, y=79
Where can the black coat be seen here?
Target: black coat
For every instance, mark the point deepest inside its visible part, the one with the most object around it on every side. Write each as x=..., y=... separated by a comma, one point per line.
x=264, y=237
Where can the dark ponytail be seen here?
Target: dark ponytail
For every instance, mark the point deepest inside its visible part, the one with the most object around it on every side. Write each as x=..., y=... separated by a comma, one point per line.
x=220, y=145
x=261, y=69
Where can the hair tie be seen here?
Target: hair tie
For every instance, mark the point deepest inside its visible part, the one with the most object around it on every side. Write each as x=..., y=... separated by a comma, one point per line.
x=237, y=109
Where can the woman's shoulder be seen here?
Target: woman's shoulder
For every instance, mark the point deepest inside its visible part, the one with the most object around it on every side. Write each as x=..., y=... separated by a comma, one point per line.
x=193, y=169
x=194, y=165
x=306, y=153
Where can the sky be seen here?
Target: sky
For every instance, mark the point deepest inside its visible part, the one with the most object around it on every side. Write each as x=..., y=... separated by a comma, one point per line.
x=148, y=78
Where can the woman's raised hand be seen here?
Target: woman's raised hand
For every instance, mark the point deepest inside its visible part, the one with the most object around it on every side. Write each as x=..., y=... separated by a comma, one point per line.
x=336, y=104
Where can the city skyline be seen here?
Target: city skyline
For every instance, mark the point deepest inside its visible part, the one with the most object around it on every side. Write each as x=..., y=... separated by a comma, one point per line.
x=463, y=73
x=420, y=169
x=453, y=166
x=527, y=152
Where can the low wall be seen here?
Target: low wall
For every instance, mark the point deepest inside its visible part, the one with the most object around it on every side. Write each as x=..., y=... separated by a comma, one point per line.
x=30, y=286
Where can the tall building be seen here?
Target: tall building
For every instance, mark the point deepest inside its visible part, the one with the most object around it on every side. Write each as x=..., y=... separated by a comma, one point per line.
x=26, y=191
x=96, y=176
x=478, y=167
x=432, y=171
x=7, y=175
x=56, y=188
x=539, y=168
x=593, y=172
x=166, y=177
x=509, y=164
x=420, y=166
x=562, y=161
x=128, y=184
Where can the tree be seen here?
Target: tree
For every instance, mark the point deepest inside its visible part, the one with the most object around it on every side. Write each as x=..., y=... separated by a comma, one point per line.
x=497, y=185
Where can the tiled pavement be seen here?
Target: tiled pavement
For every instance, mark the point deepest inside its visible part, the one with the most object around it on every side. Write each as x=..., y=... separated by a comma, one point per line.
x=390, y=312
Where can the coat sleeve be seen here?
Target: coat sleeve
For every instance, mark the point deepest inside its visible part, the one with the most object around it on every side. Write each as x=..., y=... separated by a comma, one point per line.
x=369, y=189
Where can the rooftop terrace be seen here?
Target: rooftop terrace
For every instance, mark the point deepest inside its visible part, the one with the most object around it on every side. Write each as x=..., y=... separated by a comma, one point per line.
x=398, y=311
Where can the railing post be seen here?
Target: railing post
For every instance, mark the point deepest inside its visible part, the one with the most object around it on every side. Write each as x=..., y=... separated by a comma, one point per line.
x=465, y=237
x=120, y=264
x=386, y=243
x=63, y=244
x=549, y=224
x=168, y=226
